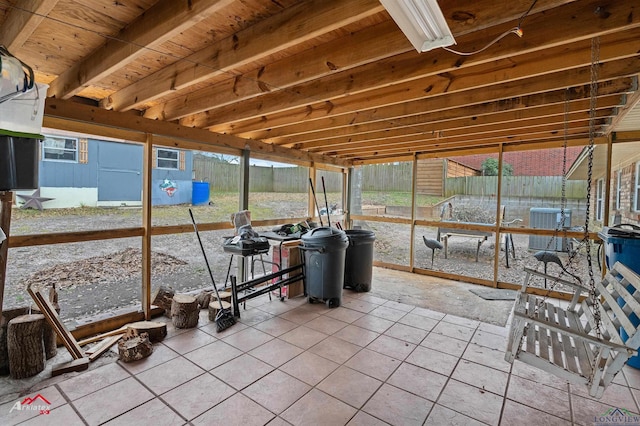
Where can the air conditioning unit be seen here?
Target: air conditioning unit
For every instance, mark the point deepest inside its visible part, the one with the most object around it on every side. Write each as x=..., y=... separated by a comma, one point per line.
x=549, y=218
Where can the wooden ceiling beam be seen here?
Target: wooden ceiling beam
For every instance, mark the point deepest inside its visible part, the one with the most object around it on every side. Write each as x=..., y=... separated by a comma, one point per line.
x=157, y=25
x=207, y=141
x=292, y=26
x=568, y=23
x=369, y=45
x=22, y=21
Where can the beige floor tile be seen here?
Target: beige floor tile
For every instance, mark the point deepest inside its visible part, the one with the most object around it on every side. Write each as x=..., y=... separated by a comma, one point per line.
x=277, y=307
x=278, y=421
x=360, y=305
x=614, y=395
x=247, y=339
x=424, y=312
x=161, y=354
x=186, y=342
x=276, y=352
x=253, y=316
x=486, y=356
x=454, y=319
x=325, y=324
x=303, y=337
x=343, y=314
x=276, y=326
x=632, y=375
x=397, y=407
x=373, y=323
x=367, y=297
x=418, y=321
x=64, y=415
x=445, y=344
x=336, y=350
x=152, y=413
x=364, y=419
x=238, y=410
x=441, y=416
x=373, y=364
x=418, y=380
x=109, y=402
x=407, y=333
x=454, y=330
x=167, y=376
x=586, y=410
x=526, y=371
x=240, y=372
x=478, y=404
x=356, y=335
x=541, y=397
x=433, y=360
x=349, y=386
x=300, y=315
x=318, y=408
x=212, y=329
x=388, y=313
x=482, y=377
x=213, y=355
x=391, y=347
x=515, y=413
x=399, y=306
x=309, y=367
x=93, y=380
x=494, y=329
x=198, y=395
x=49, y=396
x=489, y=340
x=276, y=391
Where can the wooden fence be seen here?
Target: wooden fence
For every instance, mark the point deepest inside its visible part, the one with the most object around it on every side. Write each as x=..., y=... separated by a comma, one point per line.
x=516, y=186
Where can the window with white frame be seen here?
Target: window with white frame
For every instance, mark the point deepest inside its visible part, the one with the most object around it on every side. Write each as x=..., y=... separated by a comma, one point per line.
x=619, y=190
x=636, y=193
x=600, y=200
x=168, y=159
x=55, y=148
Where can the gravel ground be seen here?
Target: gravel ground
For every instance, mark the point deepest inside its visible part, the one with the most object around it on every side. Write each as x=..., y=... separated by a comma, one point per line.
x=96, y=277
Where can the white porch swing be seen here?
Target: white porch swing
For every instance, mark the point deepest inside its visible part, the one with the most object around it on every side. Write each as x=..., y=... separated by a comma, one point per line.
x=581, y=343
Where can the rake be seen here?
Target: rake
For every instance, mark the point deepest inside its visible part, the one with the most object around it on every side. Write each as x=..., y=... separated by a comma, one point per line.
x=224, y=317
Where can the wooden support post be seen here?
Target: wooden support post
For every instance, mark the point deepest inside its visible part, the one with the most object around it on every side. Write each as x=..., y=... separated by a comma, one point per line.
x=146, y=224
x=6, y=198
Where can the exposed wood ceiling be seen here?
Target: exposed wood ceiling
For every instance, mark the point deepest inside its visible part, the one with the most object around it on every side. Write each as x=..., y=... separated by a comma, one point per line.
x=336, y=78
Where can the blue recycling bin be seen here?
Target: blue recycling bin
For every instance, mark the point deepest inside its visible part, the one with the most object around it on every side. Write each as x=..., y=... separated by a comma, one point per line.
x=625, y=250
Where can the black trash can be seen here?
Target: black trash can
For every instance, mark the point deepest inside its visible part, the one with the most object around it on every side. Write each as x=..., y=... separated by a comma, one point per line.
x=324, y=255
x=358, y=268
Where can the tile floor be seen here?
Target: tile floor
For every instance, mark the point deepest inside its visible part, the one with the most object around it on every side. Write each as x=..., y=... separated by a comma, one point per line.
x=369, y=362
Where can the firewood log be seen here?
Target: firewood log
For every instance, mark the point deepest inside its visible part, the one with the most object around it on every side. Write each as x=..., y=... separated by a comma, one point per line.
x=134, y=347
x=162, y=298
x=184, y=311
x=24, y=342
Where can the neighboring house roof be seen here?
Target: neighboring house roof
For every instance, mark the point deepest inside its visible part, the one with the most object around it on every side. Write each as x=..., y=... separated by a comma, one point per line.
x=622, y=155
x=546, y=162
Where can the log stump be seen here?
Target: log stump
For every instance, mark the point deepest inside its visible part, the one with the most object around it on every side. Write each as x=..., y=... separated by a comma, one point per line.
x=7, y=316
x=162, y=298
x=225, y=296
x=204, y=298
x=184, y=311
x=134, y=347
x=155, y=330
x=49, y=336
x=26, y=350
x=214, y=307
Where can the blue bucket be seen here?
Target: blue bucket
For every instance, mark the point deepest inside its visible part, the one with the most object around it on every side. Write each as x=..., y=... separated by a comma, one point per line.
x=200, y=193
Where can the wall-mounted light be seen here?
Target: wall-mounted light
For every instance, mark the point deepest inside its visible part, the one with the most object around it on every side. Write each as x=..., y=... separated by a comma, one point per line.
x=422, y=22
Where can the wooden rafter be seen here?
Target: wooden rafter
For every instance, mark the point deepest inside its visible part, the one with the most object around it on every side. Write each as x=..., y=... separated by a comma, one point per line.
x=23, y=20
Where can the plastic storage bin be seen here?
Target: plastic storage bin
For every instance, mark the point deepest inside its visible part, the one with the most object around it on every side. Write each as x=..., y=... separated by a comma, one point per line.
x=324, y=256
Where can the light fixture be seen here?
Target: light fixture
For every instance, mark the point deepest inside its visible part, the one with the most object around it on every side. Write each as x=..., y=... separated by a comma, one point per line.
x=422, y=22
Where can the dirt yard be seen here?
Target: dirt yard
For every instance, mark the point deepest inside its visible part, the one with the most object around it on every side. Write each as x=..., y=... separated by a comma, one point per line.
x=95, y=278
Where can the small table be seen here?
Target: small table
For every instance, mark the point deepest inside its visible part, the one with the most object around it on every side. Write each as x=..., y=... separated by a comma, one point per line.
x=444, y=233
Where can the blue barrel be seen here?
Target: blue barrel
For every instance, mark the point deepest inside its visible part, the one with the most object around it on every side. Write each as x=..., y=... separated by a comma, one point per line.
x=200, y=193
x=627, y=251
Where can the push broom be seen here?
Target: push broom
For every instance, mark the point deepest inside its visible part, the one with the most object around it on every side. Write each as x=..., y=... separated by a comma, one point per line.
x=224, y=317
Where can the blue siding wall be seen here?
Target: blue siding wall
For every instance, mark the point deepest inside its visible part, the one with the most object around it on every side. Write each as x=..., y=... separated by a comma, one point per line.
x=63, y=174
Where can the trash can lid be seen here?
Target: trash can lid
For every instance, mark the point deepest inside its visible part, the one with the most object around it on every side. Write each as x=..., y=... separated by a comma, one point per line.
x=324, y=235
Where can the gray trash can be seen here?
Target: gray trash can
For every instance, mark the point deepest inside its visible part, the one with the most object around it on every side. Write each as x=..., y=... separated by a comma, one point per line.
x=358, y=267
x=324, y=255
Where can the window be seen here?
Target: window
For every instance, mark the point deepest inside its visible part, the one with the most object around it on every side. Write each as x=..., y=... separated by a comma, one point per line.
x=636, y=198
x=60, y=149
x=600, y=200
x=618, y=190
x=168, y=159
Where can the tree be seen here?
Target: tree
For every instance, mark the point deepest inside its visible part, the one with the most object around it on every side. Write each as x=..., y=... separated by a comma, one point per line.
x=490, y=168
